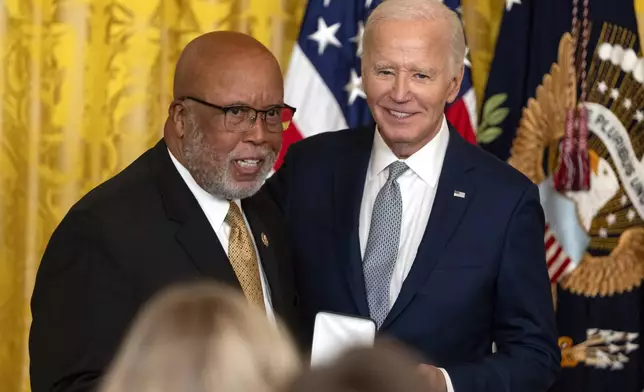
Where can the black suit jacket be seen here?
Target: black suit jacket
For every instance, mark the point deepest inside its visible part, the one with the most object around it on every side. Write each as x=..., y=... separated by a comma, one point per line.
x=479, y=275
x=131, y=236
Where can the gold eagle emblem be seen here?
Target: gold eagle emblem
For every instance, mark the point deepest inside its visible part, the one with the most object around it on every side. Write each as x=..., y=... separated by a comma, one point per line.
x=614, y=258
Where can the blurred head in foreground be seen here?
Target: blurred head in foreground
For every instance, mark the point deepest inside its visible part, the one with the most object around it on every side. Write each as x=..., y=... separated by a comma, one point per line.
x=203, y=337
x=386, y=367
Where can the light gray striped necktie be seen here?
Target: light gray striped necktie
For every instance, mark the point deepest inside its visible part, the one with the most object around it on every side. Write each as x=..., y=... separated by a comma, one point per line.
x=382, y=245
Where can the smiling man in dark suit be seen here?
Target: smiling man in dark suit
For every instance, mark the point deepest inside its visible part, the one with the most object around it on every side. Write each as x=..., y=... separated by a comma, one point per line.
x=406, y=223
x=182, y=211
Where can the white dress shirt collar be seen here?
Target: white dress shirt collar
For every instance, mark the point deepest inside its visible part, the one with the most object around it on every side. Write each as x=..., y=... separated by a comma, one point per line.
x=215, y=208
x=426, y=162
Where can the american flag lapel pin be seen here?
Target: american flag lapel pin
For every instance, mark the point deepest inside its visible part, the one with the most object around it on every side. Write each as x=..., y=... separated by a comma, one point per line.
x=459, y=194
x=264, y=239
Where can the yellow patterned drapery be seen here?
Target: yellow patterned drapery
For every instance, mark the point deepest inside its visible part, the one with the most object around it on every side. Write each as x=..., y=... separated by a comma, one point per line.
x=85, y=87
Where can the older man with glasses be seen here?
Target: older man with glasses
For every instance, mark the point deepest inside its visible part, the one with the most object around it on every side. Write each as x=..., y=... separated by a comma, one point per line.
x=182, y=211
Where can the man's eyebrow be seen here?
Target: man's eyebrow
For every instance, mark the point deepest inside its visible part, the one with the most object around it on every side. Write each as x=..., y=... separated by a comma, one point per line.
x=237, y=103
x=245, y=104
x=426, y=71
x=383, y=64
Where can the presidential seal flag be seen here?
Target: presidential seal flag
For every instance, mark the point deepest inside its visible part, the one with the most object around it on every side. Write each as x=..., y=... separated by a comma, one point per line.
x=565, y=105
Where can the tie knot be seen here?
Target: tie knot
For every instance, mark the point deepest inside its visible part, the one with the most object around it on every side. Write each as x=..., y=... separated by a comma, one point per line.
x=234, y=216
x=396, y=169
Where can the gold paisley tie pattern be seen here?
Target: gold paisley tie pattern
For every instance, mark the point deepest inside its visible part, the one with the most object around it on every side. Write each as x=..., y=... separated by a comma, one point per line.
x=242, y=256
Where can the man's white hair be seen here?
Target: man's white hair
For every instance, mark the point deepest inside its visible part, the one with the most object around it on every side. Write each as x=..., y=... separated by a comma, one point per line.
x=421, y=10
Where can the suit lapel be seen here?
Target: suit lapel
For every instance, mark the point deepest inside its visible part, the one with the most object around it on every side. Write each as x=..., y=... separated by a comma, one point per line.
x=447, y=213
x=349, y=179
x=194, y=232
x=267, y=255
x=205, y=251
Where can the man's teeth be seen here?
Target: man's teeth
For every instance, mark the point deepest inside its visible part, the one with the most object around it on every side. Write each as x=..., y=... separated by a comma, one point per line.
x=248, y=162
x=399, y=114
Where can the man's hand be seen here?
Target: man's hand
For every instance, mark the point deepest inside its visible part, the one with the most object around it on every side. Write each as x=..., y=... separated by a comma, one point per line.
x=434, y=376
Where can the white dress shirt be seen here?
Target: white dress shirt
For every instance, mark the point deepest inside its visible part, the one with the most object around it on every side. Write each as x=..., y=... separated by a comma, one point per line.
x=216, y=209
x=417, y=189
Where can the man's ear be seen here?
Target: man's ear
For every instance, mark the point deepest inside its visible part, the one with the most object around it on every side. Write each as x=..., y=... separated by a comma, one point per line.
x=455, y=84
x=178, y=115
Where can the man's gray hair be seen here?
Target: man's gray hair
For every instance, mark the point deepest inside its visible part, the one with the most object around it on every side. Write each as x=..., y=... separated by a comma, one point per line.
x=421, y=10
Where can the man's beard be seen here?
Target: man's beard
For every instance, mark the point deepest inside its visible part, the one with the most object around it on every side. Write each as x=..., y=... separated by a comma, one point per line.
x=211, y=171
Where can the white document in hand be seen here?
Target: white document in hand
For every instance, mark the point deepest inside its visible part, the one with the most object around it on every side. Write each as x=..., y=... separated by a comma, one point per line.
x=334, y=333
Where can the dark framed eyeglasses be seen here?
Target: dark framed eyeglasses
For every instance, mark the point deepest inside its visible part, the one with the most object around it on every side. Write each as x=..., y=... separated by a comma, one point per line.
x=240, y=118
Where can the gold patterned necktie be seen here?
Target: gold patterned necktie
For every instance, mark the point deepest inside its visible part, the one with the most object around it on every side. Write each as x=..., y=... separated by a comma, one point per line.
x=242, y=256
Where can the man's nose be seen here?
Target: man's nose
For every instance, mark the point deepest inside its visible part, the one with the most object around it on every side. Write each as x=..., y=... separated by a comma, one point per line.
x=400, y=89
x=257, y=133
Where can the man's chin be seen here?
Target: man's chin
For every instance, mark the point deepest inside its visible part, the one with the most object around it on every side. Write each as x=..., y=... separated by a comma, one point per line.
x=399, y=135
x=242, y=189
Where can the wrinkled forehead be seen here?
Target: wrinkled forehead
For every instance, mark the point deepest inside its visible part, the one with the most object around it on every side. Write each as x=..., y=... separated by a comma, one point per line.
x=409, y=44
x=416, y=34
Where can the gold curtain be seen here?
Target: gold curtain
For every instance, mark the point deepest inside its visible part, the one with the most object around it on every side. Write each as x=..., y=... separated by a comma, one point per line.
x=85, y=87
x=482, y=19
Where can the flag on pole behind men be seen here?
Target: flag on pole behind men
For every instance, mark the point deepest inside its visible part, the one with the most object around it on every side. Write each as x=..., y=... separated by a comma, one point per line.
x=324, y=82
x=564, y=104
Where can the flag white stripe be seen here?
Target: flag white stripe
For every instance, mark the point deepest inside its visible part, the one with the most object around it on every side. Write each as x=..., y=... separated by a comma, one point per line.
x=556, y=274
x=317, y=109
x=552, y=250
x=469, y=98
x=554, y=267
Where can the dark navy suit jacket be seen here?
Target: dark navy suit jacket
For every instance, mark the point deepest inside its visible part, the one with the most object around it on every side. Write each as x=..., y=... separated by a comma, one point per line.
x=479, y=276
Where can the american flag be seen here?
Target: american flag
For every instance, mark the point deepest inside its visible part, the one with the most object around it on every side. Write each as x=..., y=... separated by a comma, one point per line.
x=323, y=78
x=558, y=261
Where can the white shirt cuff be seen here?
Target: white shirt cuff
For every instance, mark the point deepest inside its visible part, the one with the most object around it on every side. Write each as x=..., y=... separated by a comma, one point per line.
x=448, y=381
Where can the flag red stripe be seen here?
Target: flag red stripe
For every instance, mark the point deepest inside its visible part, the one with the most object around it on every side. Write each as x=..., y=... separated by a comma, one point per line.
x=291, y=135
x=554, y=257
x=550, y=241
x=560, y=270
x=458, y=116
